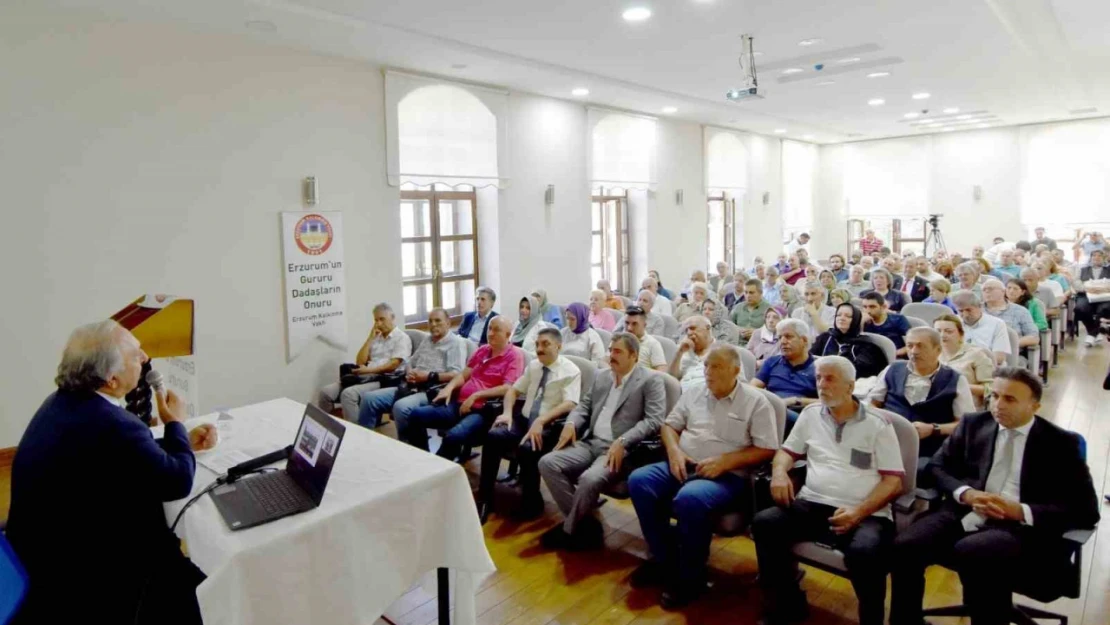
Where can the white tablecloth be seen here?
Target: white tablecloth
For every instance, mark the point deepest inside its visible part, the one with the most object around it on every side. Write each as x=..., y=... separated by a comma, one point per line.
x=391, y=514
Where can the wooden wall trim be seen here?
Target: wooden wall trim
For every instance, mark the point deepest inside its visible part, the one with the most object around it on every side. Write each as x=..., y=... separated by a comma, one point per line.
x=7, y=455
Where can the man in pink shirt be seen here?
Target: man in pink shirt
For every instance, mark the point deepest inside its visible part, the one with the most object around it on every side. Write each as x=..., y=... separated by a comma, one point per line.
x=489, y=375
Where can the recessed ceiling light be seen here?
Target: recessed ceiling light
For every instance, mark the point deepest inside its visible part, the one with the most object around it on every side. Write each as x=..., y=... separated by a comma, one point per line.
x=581, y=91
x=947, y=129
x=780, y=131
x=935, y=125
x=952, y=110
x=826, y=82
x=878, y=74
x=921, y=96
x=757, y=54
x=912, y=115
x=853, y=59
x=876, y=101
x=262, y=26
x=810, y=42
x=982, y=125
x=458, y=66
x=807, y=137
x=670, y=109
x=963, y=117
x=792, y=70
x=636, y=14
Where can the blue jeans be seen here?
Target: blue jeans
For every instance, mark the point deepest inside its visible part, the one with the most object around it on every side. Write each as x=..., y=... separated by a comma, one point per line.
x=461, y=430
x=656, y=495
x=376, y=403
x=791, y=419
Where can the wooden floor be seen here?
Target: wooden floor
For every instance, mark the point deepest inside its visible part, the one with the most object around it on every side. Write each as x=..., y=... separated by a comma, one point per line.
x=533, y=586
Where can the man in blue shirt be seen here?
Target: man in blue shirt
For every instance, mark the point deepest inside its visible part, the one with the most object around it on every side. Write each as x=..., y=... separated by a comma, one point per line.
x=836, y=265
x=792, y=375
x=475, y=324
x=878, y=320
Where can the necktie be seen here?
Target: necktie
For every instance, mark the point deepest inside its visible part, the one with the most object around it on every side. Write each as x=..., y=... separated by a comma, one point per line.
x=996, y=479
x=538, y=400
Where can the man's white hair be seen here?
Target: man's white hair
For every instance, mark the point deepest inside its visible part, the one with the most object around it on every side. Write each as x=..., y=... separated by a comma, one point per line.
x=92, y=355
x=799, y=327
x=842, y=365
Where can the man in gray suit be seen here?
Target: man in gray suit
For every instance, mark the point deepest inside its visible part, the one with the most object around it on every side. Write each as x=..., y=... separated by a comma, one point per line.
x=625, y=406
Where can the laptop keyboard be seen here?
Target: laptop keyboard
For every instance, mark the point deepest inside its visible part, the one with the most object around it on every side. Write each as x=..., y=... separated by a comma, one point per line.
x=276, y=492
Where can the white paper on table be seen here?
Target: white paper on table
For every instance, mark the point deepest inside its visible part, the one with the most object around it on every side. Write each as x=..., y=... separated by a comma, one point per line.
x=220, y=461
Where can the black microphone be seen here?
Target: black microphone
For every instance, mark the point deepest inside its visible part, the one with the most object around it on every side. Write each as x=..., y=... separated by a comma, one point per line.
x=243, y=468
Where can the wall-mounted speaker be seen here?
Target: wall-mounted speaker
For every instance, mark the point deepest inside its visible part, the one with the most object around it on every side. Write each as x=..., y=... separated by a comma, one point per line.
x=766, y=198
x=310, y=191
x=678, y=197
x=549, y=195
x=977, y=192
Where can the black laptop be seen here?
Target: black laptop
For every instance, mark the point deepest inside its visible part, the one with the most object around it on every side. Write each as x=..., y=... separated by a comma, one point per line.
x=298, y=487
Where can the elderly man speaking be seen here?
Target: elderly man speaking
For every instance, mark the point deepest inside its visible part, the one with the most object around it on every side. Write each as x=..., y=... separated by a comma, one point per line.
x=88, y=483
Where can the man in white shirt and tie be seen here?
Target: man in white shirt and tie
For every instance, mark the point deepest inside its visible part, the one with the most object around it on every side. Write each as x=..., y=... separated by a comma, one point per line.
x=1016, y=484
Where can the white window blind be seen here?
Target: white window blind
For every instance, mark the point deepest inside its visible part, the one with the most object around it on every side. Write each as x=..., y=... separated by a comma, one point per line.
x=726, y=160
x=1065, y=177
x=445, y=133
x=622, y=150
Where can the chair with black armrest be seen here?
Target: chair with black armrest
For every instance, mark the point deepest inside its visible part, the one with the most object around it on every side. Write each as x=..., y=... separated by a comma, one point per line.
x=417, y=337
x=890, y=350
x=1047, y=587
x=651, y=449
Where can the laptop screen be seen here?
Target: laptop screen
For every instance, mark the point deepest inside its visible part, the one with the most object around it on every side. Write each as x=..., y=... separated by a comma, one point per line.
x=314, y=451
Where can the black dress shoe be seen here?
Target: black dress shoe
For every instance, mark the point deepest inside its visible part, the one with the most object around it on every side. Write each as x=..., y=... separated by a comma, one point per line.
x=555, y=538
x=681, y=595
x=589, y=535
x=650, y=573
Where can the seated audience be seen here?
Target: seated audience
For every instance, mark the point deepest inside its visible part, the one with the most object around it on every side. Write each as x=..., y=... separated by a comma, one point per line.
x=795, y=272
x=1088, y=243
x=699, y=292
x=1015, y=316
x=867, y=263
x=893, y=264
x=855, y=284
x=759, y=271
x=654, y=323
x=528, y=325
x=489, y=374
x=475, y=323
x=1017, y=294
x=840, y=296
x=439, y=358
x=721, y=278
x=814, y=311
x=1042, y=239
x=736, y=294
x=980, y=329
x=798, y=244
x=599, y=319
x=764, y=342
x=790, y=299
x=1037, y=274
x=715, y=436
x=967, y=277
x=854, y=471
x=689, y=361
x=828, y=282
x=551, y=386
x=651, y=352
x=663, y=305
x=1058, y=257
x=946, y=269
x=881, y=281
x=384, y=351
x=836, y=266
x=938, y=293
x=877, y=319
x=971, y=361
x=750, y=314
x=579, y=339
x=1006, y=267
x=1089, y=313
x=843, y=339
x=930, y=395
x=782, y=263
x=869, y=244
x=696, y=276
x=1016, y=483
x=611, y=299
x=88, y=484
x=626, y=406
x=546, y=311
x=665, y=292
x=790, y=375
x=773, y=288
x=917, y=287
x=719, y=326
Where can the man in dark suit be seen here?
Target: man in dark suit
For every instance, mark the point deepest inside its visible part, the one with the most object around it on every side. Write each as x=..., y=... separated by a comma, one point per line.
x=475, y=324
x=1091, y=313
x=88, y=483
x=1017, y=483
x=624, y=407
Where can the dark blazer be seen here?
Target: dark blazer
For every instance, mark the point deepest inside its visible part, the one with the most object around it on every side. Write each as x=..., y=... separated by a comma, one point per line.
x=1088, y=273
x=920, y=289
x=640, y=410
x=468, y=323
x=1055, y=480
x=87, y=520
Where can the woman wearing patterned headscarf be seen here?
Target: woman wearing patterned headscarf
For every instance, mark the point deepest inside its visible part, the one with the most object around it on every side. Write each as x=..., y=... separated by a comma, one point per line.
x=579, y=339
x=720, y=327
x=528, y=325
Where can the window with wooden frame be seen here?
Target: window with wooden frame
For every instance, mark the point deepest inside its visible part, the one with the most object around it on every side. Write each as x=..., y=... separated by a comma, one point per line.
x=898, y=234
x=439, y=251
x=609, y=235
x=721, y=231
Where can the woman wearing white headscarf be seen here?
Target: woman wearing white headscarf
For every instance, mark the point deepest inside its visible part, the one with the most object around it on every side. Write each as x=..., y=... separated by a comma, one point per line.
x=528, y=325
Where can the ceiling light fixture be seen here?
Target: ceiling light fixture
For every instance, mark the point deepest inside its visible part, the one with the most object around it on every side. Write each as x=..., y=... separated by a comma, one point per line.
x=935, y=125
x=826, y=82
x=949, y=129
x=670, y=109
x=921, y=96
x=983, y=126
x=963, y=117
x=780, y=131
x=810, y=42
x=807, y=137
x=854, y=59
x=878, y=74
x=458, y=66
x=912, y=115
x=636, y=14
x=792, y=70
x=581, y=91
x=952, y=110
x=757, y=54
x=876, y=101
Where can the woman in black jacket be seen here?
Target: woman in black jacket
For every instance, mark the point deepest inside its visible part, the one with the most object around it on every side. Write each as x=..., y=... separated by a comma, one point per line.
x=843, y=339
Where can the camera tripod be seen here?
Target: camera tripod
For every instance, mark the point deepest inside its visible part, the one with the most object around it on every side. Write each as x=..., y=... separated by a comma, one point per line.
x=934, y=240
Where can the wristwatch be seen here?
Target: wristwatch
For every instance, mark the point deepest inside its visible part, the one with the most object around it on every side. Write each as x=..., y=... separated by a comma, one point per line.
x=624, y=442
x=936, y=429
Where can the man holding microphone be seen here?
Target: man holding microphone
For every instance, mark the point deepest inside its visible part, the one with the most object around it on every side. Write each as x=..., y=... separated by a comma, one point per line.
x=88, y=484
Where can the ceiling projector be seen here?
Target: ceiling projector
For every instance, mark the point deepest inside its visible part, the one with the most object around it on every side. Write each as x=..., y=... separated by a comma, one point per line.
x=750, y=90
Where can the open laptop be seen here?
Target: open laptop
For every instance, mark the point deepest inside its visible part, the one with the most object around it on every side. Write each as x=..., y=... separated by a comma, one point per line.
x=298, y=487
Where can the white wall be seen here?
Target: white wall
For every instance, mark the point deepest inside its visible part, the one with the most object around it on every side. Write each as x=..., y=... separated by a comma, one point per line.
x=677, y=234
x=762, y=226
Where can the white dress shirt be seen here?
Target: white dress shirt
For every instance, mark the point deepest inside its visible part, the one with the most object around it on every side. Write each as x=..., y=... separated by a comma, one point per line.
x=1012, y=489
x=989, y=332
x=663, y=306
x=918, y=387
